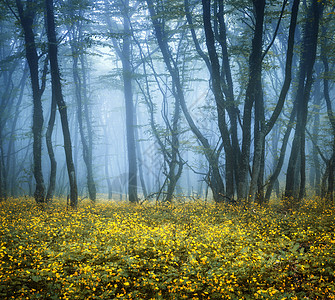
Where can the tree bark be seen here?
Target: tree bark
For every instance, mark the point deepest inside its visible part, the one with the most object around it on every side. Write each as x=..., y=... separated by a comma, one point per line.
x=253, y=95
x=9, y=166
x=90, y=178
x=330, y=167
x=107, y=163
x=125, y=54
x=27, y=19
x=232, y=149
x=169, y=147
x=219, y=99
x=128, y=95
x=140, y=161
x=217, y=187
x=295, y=186
x=81, y=100
x=315, y=172
x=57, y=93
x=175, y=162
x=262, y=129
x=3, y=190
x=53, y=162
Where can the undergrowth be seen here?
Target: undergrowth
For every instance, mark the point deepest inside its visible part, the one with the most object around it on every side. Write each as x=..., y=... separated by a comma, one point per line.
x=188, y=251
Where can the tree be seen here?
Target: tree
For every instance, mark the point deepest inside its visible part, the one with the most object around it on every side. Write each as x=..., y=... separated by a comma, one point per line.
x=295, y=186
x=254, y=94
x=124, y=53
x=168, y=139
x=76, y=15
x=262, y=128
x=13, y=77
x=329, y=174
x=237, y=161
x=57, y=94
x=216, y=79
x=26, y=15
x=53, y=162
x=208, y=79
x=215, y=181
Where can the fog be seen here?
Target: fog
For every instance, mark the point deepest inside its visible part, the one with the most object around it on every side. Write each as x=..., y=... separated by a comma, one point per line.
x=168, y=100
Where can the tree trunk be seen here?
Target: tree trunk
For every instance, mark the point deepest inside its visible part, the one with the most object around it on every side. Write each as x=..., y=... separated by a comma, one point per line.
x=80, y=79
x=27, y=19
x=232, y=149
x=219, y=99
x=175, y=162
x=128, y=95
x=9, y=165
x=233, y=156
x=330, y=167
x=53, y=163
x=57, y=93
x=90, y=179
x=262, y=129
x=275, y=142
x=80, y=92
x=315, y=173
x=295, y=186
x=253, y=94
x=140, y=161
x=3, y=192
x=211, y=156
x=171, y=157
x=107, y=163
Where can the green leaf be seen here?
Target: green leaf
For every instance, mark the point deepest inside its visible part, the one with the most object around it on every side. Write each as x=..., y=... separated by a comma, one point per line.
x=36, y=278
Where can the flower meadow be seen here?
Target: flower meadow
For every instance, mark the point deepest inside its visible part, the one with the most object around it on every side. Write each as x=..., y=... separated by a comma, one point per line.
x=192, y=250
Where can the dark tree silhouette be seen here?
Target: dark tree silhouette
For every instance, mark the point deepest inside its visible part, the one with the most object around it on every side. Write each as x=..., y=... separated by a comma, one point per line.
x=295, y=185
x=26, y=18
x=57, y=94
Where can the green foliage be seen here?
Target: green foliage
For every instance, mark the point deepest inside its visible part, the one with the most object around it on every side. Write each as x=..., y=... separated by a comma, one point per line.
x=190, y=251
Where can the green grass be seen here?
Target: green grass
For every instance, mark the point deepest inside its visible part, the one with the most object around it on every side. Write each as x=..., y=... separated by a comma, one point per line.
x=185, y=251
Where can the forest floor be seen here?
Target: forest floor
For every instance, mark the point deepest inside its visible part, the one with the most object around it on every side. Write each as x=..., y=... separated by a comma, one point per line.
x=185, y=251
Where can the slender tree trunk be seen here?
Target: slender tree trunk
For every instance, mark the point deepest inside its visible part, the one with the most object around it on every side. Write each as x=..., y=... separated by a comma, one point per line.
x=260, y=196
x=16, y=117
x=53, y=163
x=275, y=142
x=232, y=150
x=274, y=177
x=80, y=79
x=3, y=192
x=315, y=173
x=128, y=95
x=330, y=167
x=90, y=179
x=331, y=176
x=174, y=174
x=217, y=185
x=259, y=144
x=295, y=186
x=171, y=157
x=219, y=99
x=3, y=179
x=262, y=129
x=107, y=163
x=140, y=162
x=253, y=94
x=9, y=165
x=57, y=92
x=27, y=20
x=80, y=90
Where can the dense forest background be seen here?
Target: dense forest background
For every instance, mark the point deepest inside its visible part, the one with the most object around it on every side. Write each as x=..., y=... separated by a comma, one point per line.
x=151, y=99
